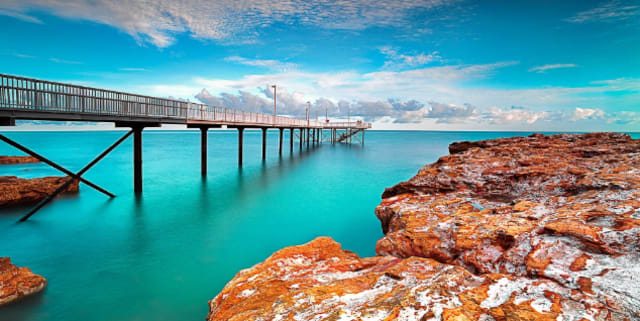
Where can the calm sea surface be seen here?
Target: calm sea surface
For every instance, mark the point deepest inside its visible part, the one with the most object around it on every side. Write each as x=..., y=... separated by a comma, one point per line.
x=163, y=256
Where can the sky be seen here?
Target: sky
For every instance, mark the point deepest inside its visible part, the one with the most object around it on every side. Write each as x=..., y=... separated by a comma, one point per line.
x=405, y=64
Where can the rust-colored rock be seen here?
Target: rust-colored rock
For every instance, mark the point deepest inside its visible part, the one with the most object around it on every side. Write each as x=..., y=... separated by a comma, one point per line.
x=17, y=282
x=6, y=160
x=14, y=190
x=320, y=281
x=524, y=228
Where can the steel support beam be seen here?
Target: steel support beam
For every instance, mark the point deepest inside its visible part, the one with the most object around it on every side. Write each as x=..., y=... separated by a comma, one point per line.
x=7, y=121
x=54, y=165
x=71, y=179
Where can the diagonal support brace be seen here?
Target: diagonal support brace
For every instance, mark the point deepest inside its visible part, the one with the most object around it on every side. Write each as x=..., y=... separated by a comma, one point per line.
x=54, y=165
x=70, y=180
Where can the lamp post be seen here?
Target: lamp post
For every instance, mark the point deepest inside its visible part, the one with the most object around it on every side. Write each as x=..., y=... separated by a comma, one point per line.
x=274, y=103
x=308, y=110
x=326, y=114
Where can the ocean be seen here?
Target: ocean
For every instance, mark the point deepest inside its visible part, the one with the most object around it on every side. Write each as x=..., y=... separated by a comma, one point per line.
x=163, y=255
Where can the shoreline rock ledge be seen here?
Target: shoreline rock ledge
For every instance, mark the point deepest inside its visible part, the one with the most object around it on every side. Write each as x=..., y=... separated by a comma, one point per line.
x=8, y=160
x=524, y=228
x=17, y=282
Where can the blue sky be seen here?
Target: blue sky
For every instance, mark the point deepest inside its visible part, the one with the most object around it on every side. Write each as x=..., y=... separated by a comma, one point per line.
x=406, y=64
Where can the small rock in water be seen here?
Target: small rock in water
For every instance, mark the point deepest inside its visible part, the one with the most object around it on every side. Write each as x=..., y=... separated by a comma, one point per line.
x=17, y=282
x=15, y=190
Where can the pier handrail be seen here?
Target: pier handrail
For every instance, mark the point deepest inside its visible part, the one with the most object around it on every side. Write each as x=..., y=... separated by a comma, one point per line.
x=29, y=94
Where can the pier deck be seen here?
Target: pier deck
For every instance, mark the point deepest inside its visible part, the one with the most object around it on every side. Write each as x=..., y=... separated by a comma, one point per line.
x=24, y=98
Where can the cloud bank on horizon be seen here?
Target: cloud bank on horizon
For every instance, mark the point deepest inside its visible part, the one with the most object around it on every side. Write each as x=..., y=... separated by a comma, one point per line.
x=407, y=64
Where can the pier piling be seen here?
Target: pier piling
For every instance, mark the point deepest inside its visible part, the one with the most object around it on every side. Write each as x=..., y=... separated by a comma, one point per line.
x=290, y=140
x=204, y=131
x=264, y=143
x=240, y=139
x=280, y=142
x=137, y=160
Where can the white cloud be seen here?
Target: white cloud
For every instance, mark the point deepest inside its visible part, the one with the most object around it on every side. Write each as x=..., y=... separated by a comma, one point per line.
x=399, y=61
x=611, y=11
x=515, y=114
x=159, y=21
x=624, y=118
x=20, y=15
x=62, y=61
x=450, y=113
x=133, y=69
x=587, y=113
x=544, y=68
x=265, y=63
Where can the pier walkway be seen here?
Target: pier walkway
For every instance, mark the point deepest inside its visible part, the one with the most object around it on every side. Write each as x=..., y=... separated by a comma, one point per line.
x=33, y=99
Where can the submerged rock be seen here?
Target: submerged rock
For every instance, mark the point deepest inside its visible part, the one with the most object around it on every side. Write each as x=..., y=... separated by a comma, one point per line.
x=524, y=228
x=14, y=190
x=17, y=282
x=5, y=160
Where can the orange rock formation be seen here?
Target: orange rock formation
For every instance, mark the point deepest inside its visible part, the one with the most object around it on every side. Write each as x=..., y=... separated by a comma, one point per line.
x=14, y=190
x=5, y=160
x=17, y=282
x=525, y=228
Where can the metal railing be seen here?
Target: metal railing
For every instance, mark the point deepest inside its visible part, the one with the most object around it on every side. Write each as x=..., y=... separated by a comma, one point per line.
x=33, y=95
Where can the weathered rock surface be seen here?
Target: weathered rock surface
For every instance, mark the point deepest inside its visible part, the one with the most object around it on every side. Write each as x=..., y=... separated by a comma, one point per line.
x=17, y=282
x=525, y=228
x=6, y=160
x=14, y=190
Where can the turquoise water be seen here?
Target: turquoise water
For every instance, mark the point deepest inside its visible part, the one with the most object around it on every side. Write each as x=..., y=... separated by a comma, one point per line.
x=163, y=256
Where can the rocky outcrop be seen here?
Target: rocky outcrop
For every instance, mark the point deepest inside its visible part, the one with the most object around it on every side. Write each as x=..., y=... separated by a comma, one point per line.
x=14, y=190
x=525, y=228
x=6, y=160
x=17, y=282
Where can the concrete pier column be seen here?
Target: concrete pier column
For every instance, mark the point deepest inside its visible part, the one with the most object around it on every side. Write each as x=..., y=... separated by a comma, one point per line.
x=308, y=132
x=280, y=145
x=204, y=131
x=264, y=143
x=240, y=138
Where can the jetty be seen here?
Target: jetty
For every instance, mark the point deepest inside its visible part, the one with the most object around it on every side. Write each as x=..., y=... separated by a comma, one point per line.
x=24, y=98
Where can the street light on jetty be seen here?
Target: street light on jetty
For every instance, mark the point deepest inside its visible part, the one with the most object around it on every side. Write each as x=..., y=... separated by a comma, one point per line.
x=274, y=103
x=308, y=110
